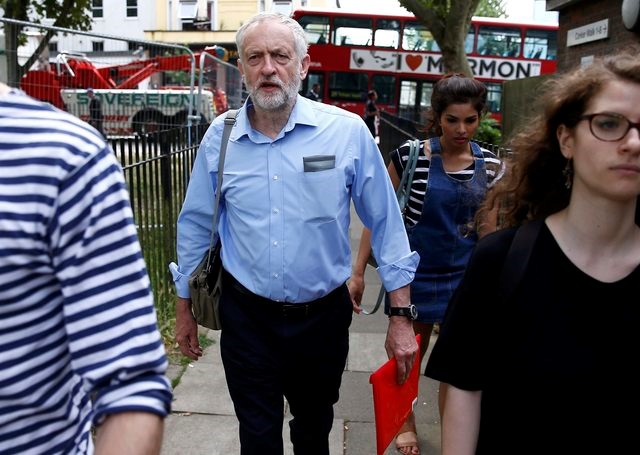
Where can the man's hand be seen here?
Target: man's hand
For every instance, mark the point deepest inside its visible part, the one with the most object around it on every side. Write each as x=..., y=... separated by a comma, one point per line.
x=401, y=344
x=187, y=330
x=401, y=339
x=356, y=290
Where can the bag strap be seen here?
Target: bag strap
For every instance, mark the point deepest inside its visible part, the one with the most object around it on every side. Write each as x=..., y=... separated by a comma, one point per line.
x=403, y=199
x=517, y=258
x=404, y=189
x=229, y=121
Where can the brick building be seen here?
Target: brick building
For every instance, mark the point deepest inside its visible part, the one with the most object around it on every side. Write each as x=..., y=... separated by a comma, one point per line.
x=591, y=28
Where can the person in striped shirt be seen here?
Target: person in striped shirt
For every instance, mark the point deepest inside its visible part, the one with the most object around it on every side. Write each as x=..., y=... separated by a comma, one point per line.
x=79, y=343
x=451, y=179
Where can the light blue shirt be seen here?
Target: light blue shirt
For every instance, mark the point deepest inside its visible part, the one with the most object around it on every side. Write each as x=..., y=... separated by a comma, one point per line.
x=284, y=230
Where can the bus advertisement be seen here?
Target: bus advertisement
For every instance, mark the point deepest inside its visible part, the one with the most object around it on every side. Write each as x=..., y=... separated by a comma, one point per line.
x=397, y=56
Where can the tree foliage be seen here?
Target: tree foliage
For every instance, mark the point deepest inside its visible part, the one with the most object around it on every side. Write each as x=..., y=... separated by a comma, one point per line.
x=448, y=21
x=73, y=14
x=491, y=8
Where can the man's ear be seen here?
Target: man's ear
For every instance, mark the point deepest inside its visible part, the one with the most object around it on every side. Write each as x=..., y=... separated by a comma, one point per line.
x=565, y=140
x=304, y=66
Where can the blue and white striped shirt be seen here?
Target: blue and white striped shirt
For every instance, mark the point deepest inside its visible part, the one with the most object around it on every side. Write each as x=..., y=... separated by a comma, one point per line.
x=78, y=329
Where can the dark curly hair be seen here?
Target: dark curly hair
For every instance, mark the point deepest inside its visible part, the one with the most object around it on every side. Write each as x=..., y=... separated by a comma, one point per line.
x=455, y=88
x=534, y=186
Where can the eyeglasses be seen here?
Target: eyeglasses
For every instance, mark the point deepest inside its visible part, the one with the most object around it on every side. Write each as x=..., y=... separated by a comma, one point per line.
x=609, y=127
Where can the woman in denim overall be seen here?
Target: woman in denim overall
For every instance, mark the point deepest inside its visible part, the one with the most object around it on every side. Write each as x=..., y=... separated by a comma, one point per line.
x=444, y=236
x=449, y=183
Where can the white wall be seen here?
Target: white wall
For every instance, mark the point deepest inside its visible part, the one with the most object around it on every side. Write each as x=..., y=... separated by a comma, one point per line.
x=116, y=23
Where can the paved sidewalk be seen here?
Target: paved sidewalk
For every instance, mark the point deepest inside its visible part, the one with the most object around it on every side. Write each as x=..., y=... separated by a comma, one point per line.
x=203, y=420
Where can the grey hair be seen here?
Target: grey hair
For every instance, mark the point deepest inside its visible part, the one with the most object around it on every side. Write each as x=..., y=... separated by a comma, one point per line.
x=299, y=38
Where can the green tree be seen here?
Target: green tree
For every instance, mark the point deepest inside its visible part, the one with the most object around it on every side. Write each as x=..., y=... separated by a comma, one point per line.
x=448, y=21
x=491, y=8
x=73, y=14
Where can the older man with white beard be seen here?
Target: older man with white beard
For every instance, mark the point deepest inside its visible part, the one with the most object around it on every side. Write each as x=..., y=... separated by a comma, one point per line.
x=292, y=167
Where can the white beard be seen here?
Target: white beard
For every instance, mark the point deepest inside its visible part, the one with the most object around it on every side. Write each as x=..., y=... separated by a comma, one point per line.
x=279, y=100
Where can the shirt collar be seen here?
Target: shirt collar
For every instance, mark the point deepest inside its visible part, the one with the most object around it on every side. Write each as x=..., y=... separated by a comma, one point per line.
x=303, y=113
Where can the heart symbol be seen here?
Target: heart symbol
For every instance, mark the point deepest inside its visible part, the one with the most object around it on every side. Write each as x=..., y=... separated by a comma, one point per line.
x=413, y=61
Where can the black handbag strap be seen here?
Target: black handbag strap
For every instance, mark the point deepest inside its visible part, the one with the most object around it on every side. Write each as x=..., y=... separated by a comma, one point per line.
x=229, y=121
x=404, y=189
x=517, y=258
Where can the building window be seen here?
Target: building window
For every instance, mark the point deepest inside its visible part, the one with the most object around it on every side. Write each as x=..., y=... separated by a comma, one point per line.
x=97, y=8
x=53, y=46
x=135, y=46
x=211, y=10
x=187, y=14
x=97, y=46
x=132, y=8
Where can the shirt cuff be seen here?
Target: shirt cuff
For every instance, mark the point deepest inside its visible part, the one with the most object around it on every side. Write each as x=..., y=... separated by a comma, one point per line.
x=400, y=273
x=181, y=281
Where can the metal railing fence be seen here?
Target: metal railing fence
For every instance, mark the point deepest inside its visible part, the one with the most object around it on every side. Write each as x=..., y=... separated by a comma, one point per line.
x=157, y=168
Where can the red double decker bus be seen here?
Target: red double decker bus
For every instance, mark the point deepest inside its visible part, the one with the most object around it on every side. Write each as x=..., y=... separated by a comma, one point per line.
x=397, y=56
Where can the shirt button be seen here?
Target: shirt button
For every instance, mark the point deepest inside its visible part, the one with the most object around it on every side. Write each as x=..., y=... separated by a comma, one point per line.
x=275, y=243
x=275, y=177
x=275, y=275
x=276, y=211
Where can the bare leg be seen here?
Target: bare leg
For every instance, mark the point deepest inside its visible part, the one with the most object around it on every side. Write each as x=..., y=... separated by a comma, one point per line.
x=442, y=391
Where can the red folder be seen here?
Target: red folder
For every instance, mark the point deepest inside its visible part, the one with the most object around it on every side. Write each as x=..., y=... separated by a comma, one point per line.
x=392, y=403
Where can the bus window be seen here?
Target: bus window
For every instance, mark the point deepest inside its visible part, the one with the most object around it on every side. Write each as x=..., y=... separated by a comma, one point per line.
x=499, y=41
x=348, y=86
x=469, y=40
x=540, y=44
x=408, y=95
x=415, y=100
x=385, y=88
x=387, y=33
x=416, y=37
x=316, y=29
x=494, y=97
x=307, y=83
x=351, y=31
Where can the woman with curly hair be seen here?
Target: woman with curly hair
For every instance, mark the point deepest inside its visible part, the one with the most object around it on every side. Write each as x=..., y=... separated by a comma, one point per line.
x=543, y=379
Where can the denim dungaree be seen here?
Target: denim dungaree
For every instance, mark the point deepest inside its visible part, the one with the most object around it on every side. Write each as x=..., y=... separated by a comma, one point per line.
x=444, y=236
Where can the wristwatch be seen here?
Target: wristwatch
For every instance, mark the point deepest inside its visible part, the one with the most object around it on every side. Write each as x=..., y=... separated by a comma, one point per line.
x=410, y=312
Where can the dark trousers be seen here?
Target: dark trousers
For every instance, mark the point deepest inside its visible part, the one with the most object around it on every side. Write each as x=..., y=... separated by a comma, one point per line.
x=270, y=352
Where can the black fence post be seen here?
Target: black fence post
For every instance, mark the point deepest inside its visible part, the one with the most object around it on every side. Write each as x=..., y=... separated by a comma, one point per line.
x=168, y=138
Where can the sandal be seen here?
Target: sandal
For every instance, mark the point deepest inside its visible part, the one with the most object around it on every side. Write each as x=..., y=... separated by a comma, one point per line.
x=409, y=442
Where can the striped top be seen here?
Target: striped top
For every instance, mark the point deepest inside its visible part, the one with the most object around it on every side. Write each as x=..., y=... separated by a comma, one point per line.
x=493, y=165
x=77, y=321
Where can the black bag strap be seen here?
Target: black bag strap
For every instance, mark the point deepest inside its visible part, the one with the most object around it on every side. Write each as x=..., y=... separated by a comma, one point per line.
x=402, y=193
x=517, y=257
x=229, y=121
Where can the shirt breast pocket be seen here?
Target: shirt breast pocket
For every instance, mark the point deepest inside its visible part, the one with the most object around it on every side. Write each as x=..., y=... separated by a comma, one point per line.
x=319, y=195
